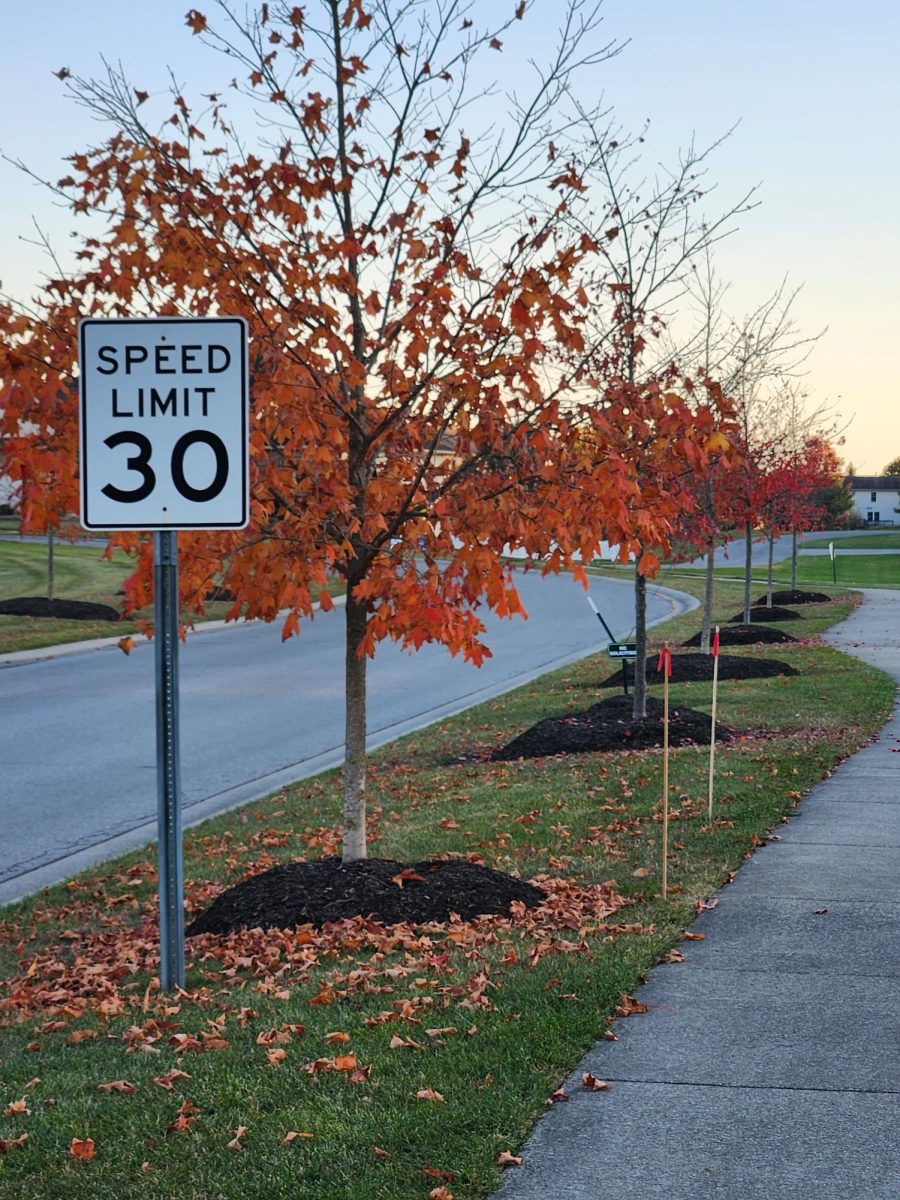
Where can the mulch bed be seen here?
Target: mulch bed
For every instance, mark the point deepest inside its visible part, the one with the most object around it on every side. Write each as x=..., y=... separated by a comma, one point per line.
x=609, y=725
x=688, y=668
x=761, y=613
x=746, y=635
x=313, y=893
x=795, y=596
x=67, y=610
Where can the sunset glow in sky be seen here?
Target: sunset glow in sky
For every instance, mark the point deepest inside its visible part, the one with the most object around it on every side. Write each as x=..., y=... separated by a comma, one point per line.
x=812, y=85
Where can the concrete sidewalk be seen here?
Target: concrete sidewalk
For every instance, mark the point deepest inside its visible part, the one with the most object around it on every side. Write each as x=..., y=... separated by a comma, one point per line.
x=767, y=1067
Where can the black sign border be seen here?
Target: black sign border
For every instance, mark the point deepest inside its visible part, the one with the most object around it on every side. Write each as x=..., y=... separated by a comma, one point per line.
x=82, y=425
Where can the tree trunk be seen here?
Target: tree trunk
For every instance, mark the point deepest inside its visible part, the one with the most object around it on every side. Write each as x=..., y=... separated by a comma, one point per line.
x=771, y=537
x=706, y=631
x=794, y=559
x=748, y=568
x=50, y=563
x=354, y=845
x=639, y=707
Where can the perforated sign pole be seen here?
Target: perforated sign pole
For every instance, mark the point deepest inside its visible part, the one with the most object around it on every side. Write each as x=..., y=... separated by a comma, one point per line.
x=164, y=446
x=168, y=758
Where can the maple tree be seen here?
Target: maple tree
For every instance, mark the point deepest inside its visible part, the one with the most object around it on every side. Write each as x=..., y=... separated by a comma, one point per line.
x=410, y=274
x=791, y=493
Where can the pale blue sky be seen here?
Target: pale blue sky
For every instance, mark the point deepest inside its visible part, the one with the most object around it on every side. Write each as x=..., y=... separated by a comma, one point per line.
x=814, y=84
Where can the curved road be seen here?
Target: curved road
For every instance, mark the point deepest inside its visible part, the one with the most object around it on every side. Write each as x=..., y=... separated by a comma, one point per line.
x=77, y=730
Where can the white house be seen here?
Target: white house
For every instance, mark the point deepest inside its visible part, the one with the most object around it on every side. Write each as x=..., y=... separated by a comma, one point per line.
x=876, y=498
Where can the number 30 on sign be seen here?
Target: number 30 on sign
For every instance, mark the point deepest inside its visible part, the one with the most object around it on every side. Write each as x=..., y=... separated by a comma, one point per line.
x=164, y=423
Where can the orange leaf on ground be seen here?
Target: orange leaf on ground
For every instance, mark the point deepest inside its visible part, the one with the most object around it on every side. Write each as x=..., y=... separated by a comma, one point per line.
x=292, y=1135
x=429, y=1094
x=630, y=1006
x=407, y=875
x=167, y=1081
x=235, y=1143
x=118, y=1085
x=8, y=1143
x=82, y=1148
x=506, y=1159
x=593, y=1084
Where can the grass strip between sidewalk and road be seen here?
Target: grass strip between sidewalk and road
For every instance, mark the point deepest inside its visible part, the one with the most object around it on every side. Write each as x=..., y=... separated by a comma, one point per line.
x=359, y=1062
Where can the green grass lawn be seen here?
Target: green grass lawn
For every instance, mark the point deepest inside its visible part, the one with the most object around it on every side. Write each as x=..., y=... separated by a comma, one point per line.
x=850, y=541
x=853, y=571
x=491, y=1015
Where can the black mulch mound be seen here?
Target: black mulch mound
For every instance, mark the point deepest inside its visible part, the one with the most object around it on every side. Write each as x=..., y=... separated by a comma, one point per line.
x=795, y=596
x=69, y=610
x=690, y=667
x=761, y=613
x=746, y=635
x=312, y=893
x=609, y=725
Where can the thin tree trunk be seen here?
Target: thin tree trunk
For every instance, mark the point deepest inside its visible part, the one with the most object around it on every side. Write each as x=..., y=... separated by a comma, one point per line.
x=354, y=845
x=748, y=567
x=50, y=563
x=771, y=538
x=706, y=631
x=639, y=707
x=794, y=559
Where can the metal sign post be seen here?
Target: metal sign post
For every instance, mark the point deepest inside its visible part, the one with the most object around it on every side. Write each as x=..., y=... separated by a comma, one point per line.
x=164, y=436
x=168, y=774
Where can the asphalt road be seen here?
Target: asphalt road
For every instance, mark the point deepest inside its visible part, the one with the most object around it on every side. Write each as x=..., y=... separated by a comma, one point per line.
x=77, y=731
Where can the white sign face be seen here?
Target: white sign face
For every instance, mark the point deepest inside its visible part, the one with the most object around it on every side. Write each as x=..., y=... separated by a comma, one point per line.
x=164, y=423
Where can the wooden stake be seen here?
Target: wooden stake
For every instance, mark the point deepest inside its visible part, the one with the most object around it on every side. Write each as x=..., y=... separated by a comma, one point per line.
x=712, y=739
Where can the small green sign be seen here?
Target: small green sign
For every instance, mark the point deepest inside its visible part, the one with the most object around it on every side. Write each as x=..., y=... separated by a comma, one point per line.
x=622, y=649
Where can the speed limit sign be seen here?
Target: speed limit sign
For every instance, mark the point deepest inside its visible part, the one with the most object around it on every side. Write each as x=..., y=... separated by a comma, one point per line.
x=164, y=423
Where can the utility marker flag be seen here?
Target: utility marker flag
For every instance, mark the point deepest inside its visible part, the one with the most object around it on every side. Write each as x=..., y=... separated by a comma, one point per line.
x=665, y=667
x=712, y=739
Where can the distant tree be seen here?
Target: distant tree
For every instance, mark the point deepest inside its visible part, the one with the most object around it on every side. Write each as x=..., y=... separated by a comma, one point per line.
x=893, y=467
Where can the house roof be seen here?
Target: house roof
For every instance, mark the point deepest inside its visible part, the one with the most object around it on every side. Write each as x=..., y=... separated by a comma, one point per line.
x=874, y=483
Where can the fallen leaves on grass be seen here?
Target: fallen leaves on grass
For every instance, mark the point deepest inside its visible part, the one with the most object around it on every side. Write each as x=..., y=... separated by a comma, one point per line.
x=167, y=1081
x=7, y=1144
x=429, y=1094
x=187, y=1115
x=118, y=1085
x=506, y=1159
x=82, y=1148
x=293, y=1134
x=91, y=969
x=236, y=1141
x=17, y=1108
